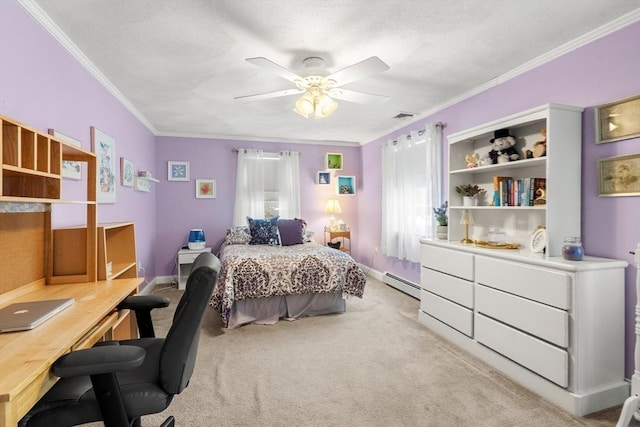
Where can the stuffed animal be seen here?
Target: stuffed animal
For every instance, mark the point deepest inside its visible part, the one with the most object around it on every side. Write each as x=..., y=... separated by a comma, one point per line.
x=540, y=147
x=503, y=149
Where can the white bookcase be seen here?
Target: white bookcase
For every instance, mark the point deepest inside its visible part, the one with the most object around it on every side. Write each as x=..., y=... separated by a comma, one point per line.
x=561, y=167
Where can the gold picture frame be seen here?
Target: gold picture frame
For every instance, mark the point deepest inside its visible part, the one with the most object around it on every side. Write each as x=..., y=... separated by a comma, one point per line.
x=618, y=120
x=619, y=176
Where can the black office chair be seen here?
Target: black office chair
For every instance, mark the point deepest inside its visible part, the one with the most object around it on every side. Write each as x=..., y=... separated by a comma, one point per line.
x=120, y=381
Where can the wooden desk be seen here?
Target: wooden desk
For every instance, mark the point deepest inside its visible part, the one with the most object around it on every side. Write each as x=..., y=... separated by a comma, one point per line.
x=26, y=357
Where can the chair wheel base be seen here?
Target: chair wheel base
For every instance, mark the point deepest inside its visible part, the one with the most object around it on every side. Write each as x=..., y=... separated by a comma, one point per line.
x=169, y=422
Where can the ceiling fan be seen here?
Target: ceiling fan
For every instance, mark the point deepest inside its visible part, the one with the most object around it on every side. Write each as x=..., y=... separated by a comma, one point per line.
x=319, y=87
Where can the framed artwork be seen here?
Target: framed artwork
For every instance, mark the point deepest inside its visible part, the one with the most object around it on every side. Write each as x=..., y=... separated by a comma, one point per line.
x=323, y=178
x=618, y=120
x=70, y=169
x=126, y=172
x=178, y=171
x=142, y=184
x=205, y=188
x=346, y=185
x=104, y=148
x=619, y=176
x=333, y=161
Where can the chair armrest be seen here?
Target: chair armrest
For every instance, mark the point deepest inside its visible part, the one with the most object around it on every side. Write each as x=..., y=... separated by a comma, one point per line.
x=144, y=302
x=99, y=360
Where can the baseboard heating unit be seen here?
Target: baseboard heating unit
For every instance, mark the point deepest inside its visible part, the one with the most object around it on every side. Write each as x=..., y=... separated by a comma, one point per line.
x=401, y=284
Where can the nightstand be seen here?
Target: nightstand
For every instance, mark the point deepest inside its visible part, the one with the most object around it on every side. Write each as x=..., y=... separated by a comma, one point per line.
x=343, y=236
x=186, y=257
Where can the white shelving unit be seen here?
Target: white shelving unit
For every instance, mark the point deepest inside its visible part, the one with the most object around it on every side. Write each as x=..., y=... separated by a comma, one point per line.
x=561, y=167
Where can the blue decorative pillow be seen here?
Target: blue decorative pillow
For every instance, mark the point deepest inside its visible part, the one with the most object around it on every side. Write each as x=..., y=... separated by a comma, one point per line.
x=291, y=231
x=264, y=231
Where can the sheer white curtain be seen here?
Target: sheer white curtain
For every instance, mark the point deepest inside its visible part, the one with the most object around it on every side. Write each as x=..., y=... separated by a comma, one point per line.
x=249, y=199
x=254, y=169
x=411, y=188
x=289, y=184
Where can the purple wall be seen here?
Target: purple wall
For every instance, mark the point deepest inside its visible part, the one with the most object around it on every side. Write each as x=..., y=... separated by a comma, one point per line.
x=598, y=73
x=178, y=210
x=43, y=86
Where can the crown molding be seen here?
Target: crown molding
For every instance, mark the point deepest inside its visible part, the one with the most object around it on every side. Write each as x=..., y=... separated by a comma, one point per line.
x=591, y=36
x=43, y=19
x=260, y=139
x=39, y=15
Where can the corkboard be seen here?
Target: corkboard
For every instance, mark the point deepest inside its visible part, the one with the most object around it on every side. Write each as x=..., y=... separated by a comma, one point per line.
x=22, y=249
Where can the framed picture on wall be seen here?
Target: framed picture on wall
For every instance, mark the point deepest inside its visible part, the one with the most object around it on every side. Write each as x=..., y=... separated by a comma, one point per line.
x=104, y=148
x=323, y=178
x=333, y=161
x=70, y=169
x=619, y=176
x=126, y=172
x=618, y=120
x=205, y=188
x=346, y=185
x=178, y=171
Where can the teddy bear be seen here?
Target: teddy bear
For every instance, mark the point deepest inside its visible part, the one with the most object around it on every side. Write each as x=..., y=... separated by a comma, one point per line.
x=472, y=160
x=503, y=149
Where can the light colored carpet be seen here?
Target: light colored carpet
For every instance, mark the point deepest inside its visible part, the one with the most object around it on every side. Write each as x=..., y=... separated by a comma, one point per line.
x=374, y=365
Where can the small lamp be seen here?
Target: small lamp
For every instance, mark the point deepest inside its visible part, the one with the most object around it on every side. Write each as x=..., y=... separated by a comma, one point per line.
x=332, y=207
x=467, y=219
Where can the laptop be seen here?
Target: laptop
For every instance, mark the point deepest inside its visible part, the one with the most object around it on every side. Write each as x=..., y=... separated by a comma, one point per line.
x=23, y=316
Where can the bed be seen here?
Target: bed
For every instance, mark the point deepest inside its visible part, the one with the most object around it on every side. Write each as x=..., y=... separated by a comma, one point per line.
x=262, y=283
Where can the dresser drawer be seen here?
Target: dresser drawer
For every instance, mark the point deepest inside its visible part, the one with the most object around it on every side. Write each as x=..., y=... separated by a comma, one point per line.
x=449, y=287
x=454, y=315
x=536, y=283
x=456, y=263
x=542, y=358
x=543, y=321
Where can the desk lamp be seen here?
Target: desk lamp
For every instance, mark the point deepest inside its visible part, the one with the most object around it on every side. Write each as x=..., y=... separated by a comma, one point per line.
x=467, y=220
x=332, y=207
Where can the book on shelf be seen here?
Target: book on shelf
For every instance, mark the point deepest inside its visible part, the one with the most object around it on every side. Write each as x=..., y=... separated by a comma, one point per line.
x=508, y=191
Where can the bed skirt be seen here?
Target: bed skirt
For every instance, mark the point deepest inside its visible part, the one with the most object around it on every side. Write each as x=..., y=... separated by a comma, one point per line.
x=268, y=310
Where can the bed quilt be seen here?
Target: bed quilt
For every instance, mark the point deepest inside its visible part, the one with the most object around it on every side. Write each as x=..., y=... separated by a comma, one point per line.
x=255, y=271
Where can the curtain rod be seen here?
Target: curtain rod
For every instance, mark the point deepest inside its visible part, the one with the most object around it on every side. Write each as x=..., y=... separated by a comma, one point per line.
x=235, y=150
x=421, y=131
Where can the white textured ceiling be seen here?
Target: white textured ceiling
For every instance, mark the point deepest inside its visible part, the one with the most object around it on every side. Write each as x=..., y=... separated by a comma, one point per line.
x=180, y=63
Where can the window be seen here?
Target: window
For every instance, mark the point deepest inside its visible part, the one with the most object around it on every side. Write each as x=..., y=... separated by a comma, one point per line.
x=267, y=185
x=411, y=171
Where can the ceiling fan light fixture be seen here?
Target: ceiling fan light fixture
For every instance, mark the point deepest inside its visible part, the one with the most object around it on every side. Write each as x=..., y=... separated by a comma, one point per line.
x=305, y=105
x=325, y=106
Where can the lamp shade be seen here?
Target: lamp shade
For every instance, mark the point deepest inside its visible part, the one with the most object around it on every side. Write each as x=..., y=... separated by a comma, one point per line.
x=324, y=106
x=332, y=207
x=305, y=105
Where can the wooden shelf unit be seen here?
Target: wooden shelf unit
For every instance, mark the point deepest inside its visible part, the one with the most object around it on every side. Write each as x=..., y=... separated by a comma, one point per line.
x=30, y=172
x=117, y=251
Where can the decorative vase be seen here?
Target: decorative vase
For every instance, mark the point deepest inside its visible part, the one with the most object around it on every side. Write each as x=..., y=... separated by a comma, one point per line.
x=441, y=232
x=469, y=201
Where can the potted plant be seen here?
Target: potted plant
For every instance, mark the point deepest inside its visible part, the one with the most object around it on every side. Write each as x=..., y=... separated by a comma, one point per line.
x=442, y=219
x=469, y=193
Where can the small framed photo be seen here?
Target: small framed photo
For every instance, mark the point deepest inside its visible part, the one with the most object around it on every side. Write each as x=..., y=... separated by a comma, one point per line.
x=178, y=171
x=333, y=161
x=70, y=168
x=205, y=188
x=346, y=185
x=619, y=176
x=618, y=120
x=104, y=148
x=323, y=178
x=126, y=172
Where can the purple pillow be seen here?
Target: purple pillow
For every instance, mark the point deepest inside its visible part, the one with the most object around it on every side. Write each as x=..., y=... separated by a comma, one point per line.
x=291, y=231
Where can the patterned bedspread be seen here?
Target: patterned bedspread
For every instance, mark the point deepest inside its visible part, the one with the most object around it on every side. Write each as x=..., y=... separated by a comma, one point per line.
x=255, y=271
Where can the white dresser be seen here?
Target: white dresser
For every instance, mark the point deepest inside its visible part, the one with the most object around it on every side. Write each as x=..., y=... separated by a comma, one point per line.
x=555, y=326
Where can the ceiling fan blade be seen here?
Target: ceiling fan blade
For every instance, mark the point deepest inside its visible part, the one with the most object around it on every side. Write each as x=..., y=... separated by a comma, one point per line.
x=358, y=97
x=276, y=68
x=359, y=70
x=268, y=95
